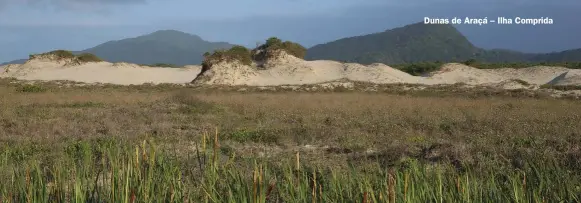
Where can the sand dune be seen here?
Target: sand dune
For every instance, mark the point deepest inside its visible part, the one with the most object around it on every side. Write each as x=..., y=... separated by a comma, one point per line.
x=538, y=75
x=459, y=73
x=101, y=72
x=571, y=77
x=285, y=70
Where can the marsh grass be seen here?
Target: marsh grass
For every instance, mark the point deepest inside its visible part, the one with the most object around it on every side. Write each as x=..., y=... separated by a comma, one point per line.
x=86, y=144
x=106, y=170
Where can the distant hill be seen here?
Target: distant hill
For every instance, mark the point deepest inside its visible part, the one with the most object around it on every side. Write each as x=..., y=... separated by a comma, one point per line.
x=423, y=43
x=165, y=46
x=408, y=44
x=573, y=55
x=19, y=61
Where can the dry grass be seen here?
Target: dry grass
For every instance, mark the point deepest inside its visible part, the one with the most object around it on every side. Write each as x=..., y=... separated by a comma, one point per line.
x=330, y=129
x=483, y=130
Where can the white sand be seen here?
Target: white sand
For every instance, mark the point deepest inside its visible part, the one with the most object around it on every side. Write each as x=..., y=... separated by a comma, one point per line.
x=285, y=70
x=538, y=75
x=571, y=77
x=101, y=72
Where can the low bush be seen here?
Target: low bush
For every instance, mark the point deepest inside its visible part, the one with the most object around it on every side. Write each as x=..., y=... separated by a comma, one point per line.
x=522, y=82
x=59, y=54
x=30, y=88
x=273, y=45
x=164, y=65
x=88, y=57
x=64, y=54
x=561, y=87
x=422, y=68
x=236, y=53
x=418, y=69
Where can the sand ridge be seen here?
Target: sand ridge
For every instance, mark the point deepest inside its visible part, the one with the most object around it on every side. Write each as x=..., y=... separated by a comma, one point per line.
x=285, y=70
x=100, y=72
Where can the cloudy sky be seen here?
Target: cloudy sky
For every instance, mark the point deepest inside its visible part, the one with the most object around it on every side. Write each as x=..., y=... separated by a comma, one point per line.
x=32, y=26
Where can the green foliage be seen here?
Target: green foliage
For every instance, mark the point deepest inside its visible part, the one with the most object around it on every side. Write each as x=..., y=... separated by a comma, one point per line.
x=561, y=87
x=422, y=68
x=59, y=54
x=273, y=41
x=418, y=69
x=273, y=45
x=88, y=57
x=112, y=171
x=258, y=136
x=522, y=82
x=165, y=65
x=236, y=53
x=64, y=54
x=191, y=104
x=426, y=43
x=30, y=88
x=470, y=62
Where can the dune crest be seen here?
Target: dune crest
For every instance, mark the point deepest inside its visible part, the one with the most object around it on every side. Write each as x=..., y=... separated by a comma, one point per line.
x=284, y=69
x=48, y=68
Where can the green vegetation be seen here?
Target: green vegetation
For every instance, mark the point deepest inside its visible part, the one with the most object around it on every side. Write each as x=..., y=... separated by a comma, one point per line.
x=239, y=53
x=572, y=65
x=420, y=43
x=164, y=65
x=106, y=170
x=151, y=144
x=236, y=53
x=273, y=45
x=59, y=54
x=88, y=57
x=64, y=54
x=418, y=69
x=561, y=87
x=422, y=68
x=30, y=88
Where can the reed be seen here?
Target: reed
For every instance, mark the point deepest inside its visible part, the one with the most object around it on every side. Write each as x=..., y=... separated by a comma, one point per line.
x=120, y=172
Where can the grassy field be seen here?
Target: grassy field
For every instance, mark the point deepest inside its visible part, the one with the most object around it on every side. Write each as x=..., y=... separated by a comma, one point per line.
x=180, y=144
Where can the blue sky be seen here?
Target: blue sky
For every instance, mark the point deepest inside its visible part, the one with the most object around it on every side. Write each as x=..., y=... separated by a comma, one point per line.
x=32, y=26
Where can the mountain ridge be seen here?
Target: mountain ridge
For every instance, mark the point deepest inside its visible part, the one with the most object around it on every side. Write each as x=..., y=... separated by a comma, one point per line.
x=411, y=43
x=162, y=46
x=419, y=42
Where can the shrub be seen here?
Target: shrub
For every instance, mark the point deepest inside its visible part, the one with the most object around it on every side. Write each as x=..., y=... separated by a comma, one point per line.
x=29, y=88
x=258, y=136
x=273, y=45
x=88, y=57
x=418, y=69
x=59, y=54
x=561, y=87
x=522, y=82
x=165, y=65
x=470, y=62
x=236, y=53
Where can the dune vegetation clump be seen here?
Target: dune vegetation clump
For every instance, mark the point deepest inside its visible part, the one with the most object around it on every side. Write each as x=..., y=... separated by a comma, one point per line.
x=67, y=55
x=270, y=49
x=163, y=65
x=88, y=57
x=236, y=53
x=273, y=46
x=58, y=54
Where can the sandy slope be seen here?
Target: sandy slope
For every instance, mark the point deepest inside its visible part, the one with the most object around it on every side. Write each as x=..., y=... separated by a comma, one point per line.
x=285, y=70
x=538, y=75
x=289, y=70
x=571, y=77
x=102, y=72
x=459, y=73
